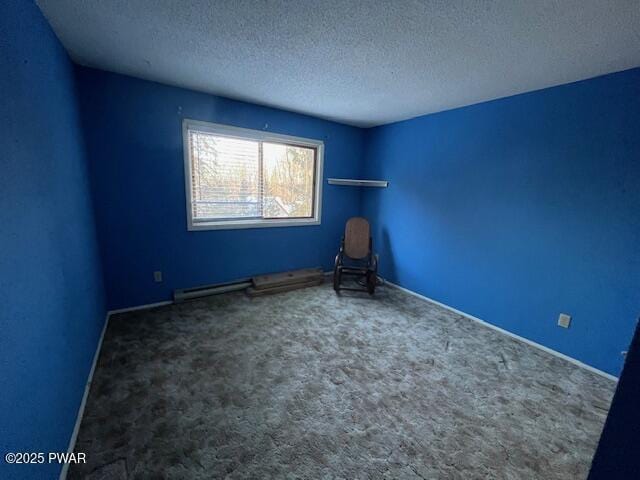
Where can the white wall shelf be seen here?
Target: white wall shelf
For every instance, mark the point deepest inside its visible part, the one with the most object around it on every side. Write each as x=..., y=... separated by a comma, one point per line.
x=358, y=183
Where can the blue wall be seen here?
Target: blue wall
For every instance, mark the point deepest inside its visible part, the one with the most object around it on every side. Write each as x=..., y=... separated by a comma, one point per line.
x=52, y=307
x=518, y=209
x=134, y=135
x=513, y=210
x=617, y=455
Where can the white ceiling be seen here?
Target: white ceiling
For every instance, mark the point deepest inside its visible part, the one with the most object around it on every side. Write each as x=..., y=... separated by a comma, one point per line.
x=361, y=62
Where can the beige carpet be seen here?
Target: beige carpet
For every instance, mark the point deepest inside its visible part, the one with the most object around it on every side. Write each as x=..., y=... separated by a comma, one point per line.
x=308, y=384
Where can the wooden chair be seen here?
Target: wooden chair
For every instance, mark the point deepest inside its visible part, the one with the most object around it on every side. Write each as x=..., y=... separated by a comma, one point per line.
x=356, y=257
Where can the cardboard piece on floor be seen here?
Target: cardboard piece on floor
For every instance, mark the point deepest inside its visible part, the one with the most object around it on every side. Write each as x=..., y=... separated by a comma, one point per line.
x=272, y=280
x=254, y=292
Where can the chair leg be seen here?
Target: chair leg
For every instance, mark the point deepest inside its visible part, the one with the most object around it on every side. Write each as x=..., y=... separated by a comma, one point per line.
x=371, y=282
x=337, y=277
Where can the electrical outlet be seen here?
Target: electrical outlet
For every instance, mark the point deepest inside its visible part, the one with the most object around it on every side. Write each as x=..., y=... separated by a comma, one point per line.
x=157, y=277
x=564, y=320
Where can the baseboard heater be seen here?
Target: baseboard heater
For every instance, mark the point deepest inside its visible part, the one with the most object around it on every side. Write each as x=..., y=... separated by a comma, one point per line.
x=184, y=294
x=256, y=286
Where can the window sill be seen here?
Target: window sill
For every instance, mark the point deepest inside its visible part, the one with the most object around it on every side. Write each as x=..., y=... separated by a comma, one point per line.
x=239, y=224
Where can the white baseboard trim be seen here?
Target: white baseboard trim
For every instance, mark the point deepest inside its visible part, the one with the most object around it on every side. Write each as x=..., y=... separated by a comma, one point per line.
x=140, y=307
x=85, y=395
x=507, y=333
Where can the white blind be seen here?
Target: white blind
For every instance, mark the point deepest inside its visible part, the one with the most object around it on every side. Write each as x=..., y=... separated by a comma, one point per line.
x=225, y=177
x=236, y=178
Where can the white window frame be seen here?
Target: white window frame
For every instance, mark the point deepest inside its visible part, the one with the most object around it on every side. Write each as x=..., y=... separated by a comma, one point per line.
x=255, y=135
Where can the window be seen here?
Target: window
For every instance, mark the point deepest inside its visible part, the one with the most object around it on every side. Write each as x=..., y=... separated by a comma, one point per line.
x=240, y=178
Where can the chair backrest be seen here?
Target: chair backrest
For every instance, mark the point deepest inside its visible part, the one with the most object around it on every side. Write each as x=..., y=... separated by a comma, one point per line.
x=356, y=238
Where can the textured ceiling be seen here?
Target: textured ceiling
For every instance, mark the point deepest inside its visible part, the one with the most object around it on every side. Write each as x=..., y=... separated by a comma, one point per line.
x=359, y=62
